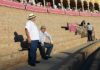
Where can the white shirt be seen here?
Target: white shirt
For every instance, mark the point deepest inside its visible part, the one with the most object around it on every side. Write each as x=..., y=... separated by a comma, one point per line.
x=33, y=30
x=89, y=27
x=45, y=37
x=55, y=6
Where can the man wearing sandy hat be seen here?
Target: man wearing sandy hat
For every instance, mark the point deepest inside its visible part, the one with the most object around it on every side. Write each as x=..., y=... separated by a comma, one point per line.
x=32, y=34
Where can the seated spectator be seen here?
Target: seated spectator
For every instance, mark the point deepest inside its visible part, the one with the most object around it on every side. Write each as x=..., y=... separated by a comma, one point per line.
x=41, y=5
x=49, y=5
x=30, y=2
x=59, y=5
x=55, y=6
x=46, y=41
x=38, y=4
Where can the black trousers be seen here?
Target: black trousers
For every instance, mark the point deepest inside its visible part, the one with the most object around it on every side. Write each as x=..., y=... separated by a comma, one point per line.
x=43, y=50
x=89, y=32
x=49, y=48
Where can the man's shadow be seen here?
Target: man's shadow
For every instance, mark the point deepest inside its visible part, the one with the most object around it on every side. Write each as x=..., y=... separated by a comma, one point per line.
x=66, y=27
x=19, y=38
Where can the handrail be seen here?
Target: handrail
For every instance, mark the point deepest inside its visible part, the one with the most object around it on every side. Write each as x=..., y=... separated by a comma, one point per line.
x=75, y=59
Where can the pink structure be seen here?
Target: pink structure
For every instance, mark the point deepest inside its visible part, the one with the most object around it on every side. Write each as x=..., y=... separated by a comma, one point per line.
x=36, y=9
x=56, y=11
x=11, y=4
x=45, y=9
x=72, y=27
x=72, y=13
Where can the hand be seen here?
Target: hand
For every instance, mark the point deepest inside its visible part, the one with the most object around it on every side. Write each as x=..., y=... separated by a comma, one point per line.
x=29, y=40
x=42, y=44
x=51, y=42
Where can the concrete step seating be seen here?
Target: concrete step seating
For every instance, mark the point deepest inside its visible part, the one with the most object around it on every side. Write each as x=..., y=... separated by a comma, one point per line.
x=13, y=20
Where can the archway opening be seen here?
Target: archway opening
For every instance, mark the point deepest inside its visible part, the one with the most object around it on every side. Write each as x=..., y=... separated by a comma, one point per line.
x=65, y=4
x=79, y=5
x=91, y=6
x=96, y=6
x=85, y=5
x=72, y=4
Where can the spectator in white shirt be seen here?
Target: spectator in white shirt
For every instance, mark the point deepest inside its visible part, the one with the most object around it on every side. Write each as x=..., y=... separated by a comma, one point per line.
x=89, y=31
x=46, y=41
x=32, y=34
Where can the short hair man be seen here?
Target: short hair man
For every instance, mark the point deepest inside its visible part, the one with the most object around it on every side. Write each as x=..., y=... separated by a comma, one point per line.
x=89, y=31
x=32, y=34
x=46, y=41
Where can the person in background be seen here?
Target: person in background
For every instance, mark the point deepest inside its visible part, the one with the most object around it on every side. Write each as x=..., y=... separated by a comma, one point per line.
x=55, y=6
x=84, y=29
x=59, y=5
x=83, y=23
x=25, y=4
x=46, y=41
x=89, y=31
x=32, y=34
x=49, y=5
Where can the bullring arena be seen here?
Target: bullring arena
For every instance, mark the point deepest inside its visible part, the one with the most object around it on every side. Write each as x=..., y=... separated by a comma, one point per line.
x=14, y=16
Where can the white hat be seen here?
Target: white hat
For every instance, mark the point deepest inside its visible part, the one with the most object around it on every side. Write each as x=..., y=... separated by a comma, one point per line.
x=30, y=16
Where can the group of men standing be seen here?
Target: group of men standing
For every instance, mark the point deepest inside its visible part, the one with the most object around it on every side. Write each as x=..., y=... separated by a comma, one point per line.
x=42, y=39
x=37, y=39
x=88, y=30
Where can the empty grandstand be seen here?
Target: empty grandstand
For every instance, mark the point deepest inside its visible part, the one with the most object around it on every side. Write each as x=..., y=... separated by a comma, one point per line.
x=80, y=5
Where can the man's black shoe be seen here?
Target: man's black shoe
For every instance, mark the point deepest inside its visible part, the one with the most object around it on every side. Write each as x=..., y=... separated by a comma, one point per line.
x=37, y=61
x=45, y=58
x=49, y=57
x=32, y=65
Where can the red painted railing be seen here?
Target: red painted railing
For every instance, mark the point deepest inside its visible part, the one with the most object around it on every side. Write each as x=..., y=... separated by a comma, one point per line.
x=11, y=4
x=46, y=10
x=56, y=11
x=96, y=14
x=36, y=9
x=85, y=14
x=72, y=13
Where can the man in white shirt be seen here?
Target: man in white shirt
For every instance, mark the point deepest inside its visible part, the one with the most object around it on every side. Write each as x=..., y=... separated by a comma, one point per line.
x=32, y=34
x=46, y=41
x=89, y=31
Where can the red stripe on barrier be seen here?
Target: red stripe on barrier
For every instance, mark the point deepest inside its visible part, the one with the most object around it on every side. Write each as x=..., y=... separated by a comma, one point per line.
x=85, y=14
x=45, y=10
x=96, y=14
x=56, y=11
x=12, y=4
x=72, y=13
x=37, y=9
